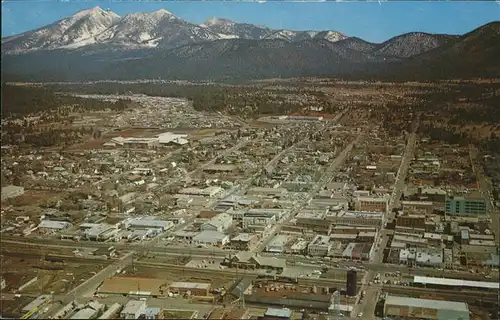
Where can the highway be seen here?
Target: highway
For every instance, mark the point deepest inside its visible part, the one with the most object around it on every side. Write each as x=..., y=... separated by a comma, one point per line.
x=363, y=307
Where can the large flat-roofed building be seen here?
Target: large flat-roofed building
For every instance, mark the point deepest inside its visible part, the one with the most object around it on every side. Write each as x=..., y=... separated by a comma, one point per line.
x=418, y=206
x=413, y=308
x=373, y=219
x=278, y=243
x=465, y=205
x=220, y=223
x=266, y=219
x=320, y=246
x=411, y=221
x=195, y=289
x=244, y=242
x=377, y=204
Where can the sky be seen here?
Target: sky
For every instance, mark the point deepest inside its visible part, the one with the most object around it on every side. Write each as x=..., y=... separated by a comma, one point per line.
x=371, y=21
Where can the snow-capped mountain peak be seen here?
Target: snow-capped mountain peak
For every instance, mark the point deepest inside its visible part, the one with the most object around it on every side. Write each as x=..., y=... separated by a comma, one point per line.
x=218, y=21
x=159, y=29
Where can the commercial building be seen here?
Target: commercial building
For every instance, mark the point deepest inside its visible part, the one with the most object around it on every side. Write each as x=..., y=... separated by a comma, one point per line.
x=414, y=221
x=11, y=191
x=277, y=314
x=320, y=246
x=431, y=257
x=47, y=225
x=211, y=237
x=377, y=204
x=149, y=223
x=100, y=232
x=413, y=308
x=418, y=206
x=372, y=219
x=267, y=192
x=278, y=243
x=244, y=242
x=133, y=309
x=85, y=313
x=266, y=219
x=220, y=222
x=465, y=205
x=192, y=288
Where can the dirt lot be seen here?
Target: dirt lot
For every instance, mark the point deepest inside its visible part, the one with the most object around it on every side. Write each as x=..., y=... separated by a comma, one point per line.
x=181, y=275
x=53, y=275
x=33, y=198
x=11, y=306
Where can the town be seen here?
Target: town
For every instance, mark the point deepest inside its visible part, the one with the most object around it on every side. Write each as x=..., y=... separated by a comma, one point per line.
x=169, y=212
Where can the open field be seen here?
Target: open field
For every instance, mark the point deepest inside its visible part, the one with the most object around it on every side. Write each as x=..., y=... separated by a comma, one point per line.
x=54, y=273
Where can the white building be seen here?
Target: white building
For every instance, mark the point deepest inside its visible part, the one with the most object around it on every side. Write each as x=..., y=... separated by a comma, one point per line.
x=220, y=222
x=150, y=223
x=320, y=246
x=278, y=243
x=54, y=225
x=101, y=232
x=133, y=309
x=11, y=191
x=210, y=237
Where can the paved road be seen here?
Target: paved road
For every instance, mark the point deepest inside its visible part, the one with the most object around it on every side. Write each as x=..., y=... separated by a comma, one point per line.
x=364, y=308
x=325, y=178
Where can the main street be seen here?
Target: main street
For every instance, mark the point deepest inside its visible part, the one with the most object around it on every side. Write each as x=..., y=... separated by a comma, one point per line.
x=324, y=179
x=363, y=308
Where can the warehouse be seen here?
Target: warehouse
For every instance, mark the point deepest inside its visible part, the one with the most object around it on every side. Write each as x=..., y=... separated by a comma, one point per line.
x=454, y=283
x=277, y=245
x=53, y=225
x=220, y=223
x=133, y=286
x=210, y=237
x=195, y=289
x=149, y=223
x=413, y=308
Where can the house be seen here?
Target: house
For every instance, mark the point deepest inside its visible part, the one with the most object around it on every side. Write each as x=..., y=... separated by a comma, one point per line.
x=133, y=309
x=219, y=223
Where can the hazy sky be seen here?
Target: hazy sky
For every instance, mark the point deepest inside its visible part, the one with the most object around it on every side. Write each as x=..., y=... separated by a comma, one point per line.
x=372, y=21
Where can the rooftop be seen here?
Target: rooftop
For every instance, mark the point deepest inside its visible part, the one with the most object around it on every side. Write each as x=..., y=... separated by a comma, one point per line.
x=426, y=303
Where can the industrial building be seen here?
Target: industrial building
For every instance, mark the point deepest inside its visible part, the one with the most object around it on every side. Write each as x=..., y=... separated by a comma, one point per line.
x=133, y=309
x=11, y=191
x=191, y=288
x=413, y=308
x=320, y=246
x=211, y=237
x=149, y=223
x=47, y=225
x=244, y=242
x=220, y=223
x=278, y=243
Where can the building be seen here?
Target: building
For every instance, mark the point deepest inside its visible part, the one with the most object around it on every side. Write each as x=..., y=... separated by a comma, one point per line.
x=100, y=232
x=356, y=218
x=148, y=223
x=191, y=288
x=248, y=260
x=133, y=309
x=413, y=308
x=85, y=313
x=313, y=220
x=266, y=219
x=320, y=246
x=275, y=193
x=278, y=243
x=414, y=221
x=430, y=257
x=210, y=237
x=220, y=223
x=48, y=225
x=151, y=313
x=112, y=312
x=244, y=242
x=377, y=204
x=11, y=191
x=465, y=205
x=142, y=143
x=418, y=206
x=277, y=314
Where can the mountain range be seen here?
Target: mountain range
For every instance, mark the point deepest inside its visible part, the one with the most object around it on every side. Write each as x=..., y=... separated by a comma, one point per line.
x=99, y=44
